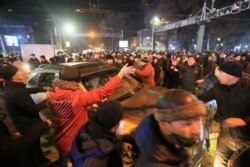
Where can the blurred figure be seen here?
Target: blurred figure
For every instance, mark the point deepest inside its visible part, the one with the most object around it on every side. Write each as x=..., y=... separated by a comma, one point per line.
x=60, y=57
x=43, y=60
x=52, y=60
x=33, y=62
x=232, y=94
x=162, y=136
x=110, y=59
x=147, y=72
x=96, y=144
x=191, y=73
x=157, y=70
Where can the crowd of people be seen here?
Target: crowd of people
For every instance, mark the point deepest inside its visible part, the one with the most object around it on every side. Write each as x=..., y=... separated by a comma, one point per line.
x=161, y=137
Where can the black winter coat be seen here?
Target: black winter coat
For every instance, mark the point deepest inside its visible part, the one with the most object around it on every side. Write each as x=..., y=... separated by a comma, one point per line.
x=20, y=106
x=232, y=101
x=11, y=150
x=189, y=76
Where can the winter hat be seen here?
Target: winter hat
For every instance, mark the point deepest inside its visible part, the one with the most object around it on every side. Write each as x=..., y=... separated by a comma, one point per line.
x=233, y=68
x=7, y=72
x=109, y=113
x=69, y=74
x=178, y=104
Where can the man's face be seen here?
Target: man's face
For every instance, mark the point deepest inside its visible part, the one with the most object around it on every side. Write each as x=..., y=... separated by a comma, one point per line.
x=96, y=56
x=189, y=128
x=237, y=58
x=110, y=61
x=191, y=61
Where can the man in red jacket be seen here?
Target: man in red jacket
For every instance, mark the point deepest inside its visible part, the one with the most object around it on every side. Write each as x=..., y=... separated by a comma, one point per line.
x=68, y=104
x=147, y=73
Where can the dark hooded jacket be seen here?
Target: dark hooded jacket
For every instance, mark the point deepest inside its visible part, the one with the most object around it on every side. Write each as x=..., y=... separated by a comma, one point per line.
x=232, y=101
x=95, y=146
x=155, y=151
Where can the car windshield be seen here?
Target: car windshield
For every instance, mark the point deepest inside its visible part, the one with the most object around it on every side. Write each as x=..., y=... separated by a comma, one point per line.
x=128, y=87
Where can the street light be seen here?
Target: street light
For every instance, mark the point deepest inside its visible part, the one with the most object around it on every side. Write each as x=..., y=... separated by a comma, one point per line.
x=69, y=28
x=156, y=20
x=92, y=34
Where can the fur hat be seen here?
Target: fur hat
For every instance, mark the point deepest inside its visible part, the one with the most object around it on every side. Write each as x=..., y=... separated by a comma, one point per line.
x=7, y=72
x=233, y=68
x=109, y=113
x=178, y=104
x=69, y=74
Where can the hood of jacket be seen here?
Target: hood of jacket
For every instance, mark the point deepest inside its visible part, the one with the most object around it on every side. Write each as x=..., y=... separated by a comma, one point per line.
x=63, y=89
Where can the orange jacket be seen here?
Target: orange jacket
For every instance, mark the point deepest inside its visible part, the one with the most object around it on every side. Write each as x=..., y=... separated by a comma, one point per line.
x=147, y=74
x=69, y=113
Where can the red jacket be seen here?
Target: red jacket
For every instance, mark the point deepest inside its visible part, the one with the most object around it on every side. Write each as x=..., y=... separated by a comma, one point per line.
x=68, y=107
x=147, y=74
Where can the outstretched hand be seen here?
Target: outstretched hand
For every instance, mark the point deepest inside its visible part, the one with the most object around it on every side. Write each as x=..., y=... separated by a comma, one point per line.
x=126, y=70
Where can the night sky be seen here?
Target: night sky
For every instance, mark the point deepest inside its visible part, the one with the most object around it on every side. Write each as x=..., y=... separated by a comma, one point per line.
x=28, y=11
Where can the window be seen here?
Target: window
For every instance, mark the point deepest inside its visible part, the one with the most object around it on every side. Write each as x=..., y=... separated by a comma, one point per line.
x=42, y=79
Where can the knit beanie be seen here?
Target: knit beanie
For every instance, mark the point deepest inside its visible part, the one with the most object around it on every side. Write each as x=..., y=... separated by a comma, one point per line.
x=178, y=104
x=69, y=74
x=7, y=72
x=233, y=68
x=109, y=113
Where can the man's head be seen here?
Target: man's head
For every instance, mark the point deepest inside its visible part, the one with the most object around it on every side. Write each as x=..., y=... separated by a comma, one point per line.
x=229, y=72
x=69, y=74
x=110, y=59
x=33, y=56
x=237, y=57
x=144, y=60
x=109, y=114
x=179, y=116
x=191, y=60
x=12, y=73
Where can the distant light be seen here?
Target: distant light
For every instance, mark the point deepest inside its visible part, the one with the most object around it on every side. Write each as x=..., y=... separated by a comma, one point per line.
x=236, y=7
x=148, y=37
x=10, y=10
x=221, y=44
x=67, y=44
x=195, y=46
x=69, y=28
x=156, y=19
x=218, y=39
x=92, y=34
x=246, y=46
x=172, y=47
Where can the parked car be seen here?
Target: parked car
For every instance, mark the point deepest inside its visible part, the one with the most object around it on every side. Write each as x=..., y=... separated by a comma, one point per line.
x=137, y=100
